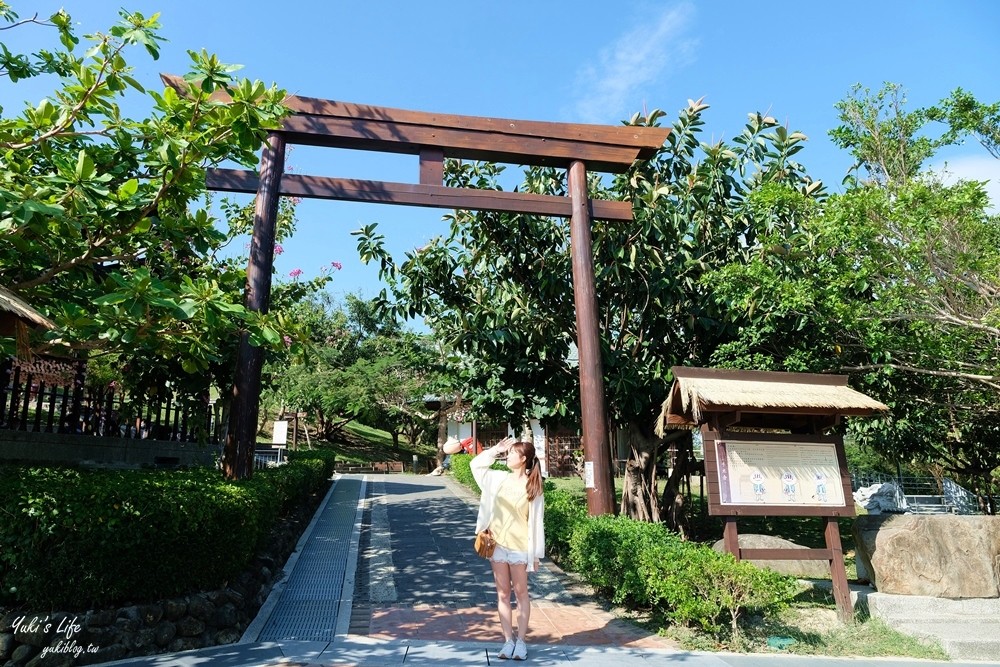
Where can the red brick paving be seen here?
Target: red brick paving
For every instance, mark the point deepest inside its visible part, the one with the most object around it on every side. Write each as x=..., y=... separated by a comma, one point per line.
x=552, y=623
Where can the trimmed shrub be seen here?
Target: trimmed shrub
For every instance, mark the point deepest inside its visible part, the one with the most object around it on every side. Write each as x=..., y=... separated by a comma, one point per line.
x=79, y=538
x=692, y=584
x=461, y=471
x=607, y=550
x=327, y=456
x=564, y=512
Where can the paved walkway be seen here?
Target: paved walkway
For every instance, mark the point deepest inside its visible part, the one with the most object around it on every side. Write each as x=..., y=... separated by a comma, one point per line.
x=386, y=575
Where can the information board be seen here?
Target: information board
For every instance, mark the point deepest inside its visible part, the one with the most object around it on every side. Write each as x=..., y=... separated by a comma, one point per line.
x=783, y=474
x=280, y=435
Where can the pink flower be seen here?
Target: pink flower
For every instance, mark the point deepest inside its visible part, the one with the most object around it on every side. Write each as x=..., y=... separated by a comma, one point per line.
x=337, y=265
x=288, y=340
x=278, y=249
x=295, y=273
x=296, y=200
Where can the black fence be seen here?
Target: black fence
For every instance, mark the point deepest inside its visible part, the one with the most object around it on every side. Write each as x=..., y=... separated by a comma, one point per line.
x=53, y=396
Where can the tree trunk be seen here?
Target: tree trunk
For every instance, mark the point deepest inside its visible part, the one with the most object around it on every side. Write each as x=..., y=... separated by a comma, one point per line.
x=639, y=498
x=674, y=500
x=442, y=436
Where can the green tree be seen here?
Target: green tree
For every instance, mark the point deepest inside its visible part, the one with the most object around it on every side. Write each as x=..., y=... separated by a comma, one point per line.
x=360, y=365
x=497, y=290
x=894, y=281
x=99, y=216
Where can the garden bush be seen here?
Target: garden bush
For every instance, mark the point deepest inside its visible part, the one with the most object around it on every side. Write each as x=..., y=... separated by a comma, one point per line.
x=692, y=584
x=564, y=512
x=79, y=538
x=606, y=550
x=461, y=471
x=327, y=456
x=645, y=565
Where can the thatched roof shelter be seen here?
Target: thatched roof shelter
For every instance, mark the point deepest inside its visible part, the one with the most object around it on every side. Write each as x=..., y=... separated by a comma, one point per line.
x=16, y=318
x=758, y=399
x=13, y=308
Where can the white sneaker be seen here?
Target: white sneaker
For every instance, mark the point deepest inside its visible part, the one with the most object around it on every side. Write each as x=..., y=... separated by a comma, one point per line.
x=507, y=651
x=520, y=650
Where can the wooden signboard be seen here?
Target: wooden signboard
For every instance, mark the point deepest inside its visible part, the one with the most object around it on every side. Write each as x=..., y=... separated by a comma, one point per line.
x=760, y=474
x=764, y=474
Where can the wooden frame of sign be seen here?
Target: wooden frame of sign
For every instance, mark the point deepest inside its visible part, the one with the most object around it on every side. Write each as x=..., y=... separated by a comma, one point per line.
x=724, y=501
x=772, y=458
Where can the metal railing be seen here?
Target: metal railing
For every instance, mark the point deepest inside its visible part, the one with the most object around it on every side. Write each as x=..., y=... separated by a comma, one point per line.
x=914, y=494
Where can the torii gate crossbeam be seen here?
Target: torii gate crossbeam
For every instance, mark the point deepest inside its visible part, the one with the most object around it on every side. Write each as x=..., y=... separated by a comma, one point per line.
x=434, y=137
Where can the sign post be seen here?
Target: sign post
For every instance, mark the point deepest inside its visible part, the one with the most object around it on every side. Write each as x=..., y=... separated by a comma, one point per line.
x=766, y=453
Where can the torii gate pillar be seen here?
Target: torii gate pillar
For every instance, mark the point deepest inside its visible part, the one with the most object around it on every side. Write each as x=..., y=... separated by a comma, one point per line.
x=434, y=138
x=596, y=454
x=237, y=460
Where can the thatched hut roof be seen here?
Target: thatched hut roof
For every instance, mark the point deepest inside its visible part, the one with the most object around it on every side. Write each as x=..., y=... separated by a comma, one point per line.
x=16, y=307
x=698, y=391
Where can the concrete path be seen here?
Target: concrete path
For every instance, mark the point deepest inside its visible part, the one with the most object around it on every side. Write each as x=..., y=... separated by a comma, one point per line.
x=386, y=575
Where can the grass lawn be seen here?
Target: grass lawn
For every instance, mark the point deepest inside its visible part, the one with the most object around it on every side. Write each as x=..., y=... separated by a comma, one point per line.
x=362, y=444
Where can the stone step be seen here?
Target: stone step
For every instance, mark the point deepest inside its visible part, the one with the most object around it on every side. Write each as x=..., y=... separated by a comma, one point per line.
x=925, y=499
x=930, y=509
x=887, y=606
x=961, y=640
x=967, y=629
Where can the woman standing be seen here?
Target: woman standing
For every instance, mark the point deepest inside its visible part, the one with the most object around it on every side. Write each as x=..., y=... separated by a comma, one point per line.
x=512, y=507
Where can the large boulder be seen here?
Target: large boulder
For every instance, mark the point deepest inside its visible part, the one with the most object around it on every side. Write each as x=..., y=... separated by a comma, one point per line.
x=805, y=569
x=934, y=555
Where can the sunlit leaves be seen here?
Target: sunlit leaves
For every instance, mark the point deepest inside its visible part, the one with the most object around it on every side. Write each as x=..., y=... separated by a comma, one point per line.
x=100, y=212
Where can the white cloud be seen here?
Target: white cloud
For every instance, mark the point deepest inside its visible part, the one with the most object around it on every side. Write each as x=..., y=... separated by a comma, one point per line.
x=973, y=168
x=612, y=85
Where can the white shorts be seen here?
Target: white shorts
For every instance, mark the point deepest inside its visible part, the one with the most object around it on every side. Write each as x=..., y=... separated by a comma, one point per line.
x=505, y=555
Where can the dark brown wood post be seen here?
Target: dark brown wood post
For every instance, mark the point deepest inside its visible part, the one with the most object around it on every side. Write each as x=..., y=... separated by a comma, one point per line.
x=237, y=460
x=838, y=575
x=731, y=536
x=600, y=496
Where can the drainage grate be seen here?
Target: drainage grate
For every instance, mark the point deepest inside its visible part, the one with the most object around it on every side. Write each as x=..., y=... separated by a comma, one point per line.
x=308, y=607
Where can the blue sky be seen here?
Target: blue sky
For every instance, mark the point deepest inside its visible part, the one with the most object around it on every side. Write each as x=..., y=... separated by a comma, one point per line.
x=582, y=61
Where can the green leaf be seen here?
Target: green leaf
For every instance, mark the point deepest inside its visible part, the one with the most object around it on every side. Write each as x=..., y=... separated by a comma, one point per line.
x=84, y=167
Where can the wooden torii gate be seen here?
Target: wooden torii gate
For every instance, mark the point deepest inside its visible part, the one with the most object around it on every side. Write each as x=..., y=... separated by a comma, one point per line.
x=434, y=137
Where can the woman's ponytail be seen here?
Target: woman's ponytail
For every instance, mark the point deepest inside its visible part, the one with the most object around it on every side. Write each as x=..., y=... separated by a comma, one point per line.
x=532, y=468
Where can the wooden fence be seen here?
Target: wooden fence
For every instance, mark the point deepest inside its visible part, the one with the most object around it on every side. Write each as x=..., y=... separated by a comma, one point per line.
x=54, y=397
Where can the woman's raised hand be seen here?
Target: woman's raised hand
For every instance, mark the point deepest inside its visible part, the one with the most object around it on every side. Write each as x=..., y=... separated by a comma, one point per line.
x=505, y=444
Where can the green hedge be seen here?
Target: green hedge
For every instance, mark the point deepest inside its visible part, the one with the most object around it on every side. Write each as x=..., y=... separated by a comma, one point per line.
x=607, y=551
x=564, y=513
x=462, y=471
x=645, y=565
x=79, y=538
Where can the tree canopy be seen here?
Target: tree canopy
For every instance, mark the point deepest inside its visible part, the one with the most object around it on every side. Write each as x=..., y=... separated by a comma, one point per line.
x=894, y=281
x=497, y=290
x=104, y=227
